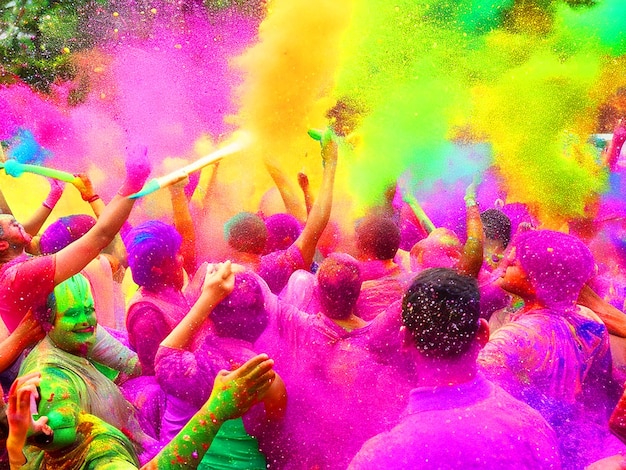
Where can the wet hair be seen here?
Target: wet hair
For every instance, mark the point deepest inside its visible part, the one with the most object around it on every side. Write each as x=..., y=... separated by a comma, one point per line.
x=64, y=231
x=282, y=231
x=496, y=225
x=246, y=232
x=242, y=313
x=339, y=283
x=557, y=265
x=378, y=235
x=441, y=309
x=151, y=244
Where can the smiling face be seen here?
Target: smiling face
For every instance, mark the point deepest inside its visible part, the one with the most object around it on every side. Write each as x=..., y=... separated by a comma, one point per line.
x=74, y=327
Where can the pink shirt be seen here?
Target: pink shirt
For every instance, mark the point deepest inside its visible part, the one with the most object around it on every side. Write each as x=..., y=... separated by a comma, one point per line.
x=25, y=283
x=472, y=425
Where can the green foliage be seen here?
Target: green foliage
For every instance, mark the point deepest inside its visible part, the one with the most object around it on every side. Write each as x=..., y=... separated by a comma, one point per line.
x=37, y=36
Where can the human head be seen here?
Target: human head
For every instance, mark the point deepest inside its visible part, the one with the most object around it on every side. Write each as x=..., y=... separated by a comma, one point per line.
x=12, y=234
x=557, y=265
x=440, y=249
x=377, y=237
x=69, y=316
x=441, y=311
x=242, y=313
x=497, y=229
x=64, y=231
x=246, y=232
x=339, y=284
x=153, y=255
x=282, y=230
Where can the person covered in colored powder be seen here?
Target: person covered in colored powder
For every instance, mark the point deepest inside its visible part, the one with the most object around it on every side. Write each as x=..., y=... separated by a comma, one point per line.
x=157, y=266
x=73, y=383
x=326, y=363
x=455, y=418
x=377, y=242
x=99, y=445
x=554, y=354
x=234, y=317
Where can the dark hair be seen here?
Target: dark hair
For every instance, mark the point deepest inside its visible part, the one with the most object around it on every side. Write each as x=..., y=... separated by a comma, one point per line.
x=64, y=231
x=441, y=309
x=246, y=232
x=242, y=313
x=339, y=281
x=379, y=236
x=496, y=225
x=151, y=244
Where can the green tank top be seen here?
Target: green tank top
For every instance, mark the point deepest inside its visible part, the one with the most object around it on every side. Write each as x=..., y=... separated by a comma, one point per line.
x=233, y=448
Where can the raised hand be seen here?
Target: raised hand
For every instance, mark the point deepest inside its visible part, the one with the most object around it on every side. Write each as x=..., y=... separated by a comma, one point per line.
x=236, y=391
x=138, y=169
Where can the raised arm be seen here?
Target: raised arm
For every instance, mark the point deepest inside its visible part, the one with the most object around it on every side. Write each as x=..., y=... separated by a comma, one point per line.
x=472, y=256
x=303, y=182
x=292, y=202
x=218, y=283
x=88, y=194
x=20, y=416
x=41, y=214
x=184, y=224
x=71, y=259
x=320, y=212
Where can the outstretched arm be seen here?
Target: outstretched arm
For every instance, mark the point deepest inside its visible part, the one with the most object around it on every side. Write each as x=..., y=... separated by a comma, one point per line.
x=303, y=182
x=320, y=212
x=38, y=218
x=233, y=394
x=293, y=204
x=218, y=283
x=74, y=257
x=613, y=318
x=184, y=224
x=472, y=257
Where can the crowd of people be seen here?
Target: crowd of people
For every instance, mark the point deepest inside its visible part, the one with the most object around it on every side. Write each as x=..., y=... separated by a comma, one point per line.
x=499, y=347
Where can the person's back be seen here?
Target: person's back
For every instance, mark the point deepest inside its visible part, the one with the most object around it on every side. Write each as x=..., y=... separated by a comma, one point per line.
x=474, y=425
x=455, y=418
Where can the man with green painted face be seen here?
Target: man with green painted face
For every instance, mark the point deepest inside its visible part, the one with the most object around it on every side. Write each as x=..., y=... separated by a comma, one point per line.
x=71, y=383
x=80, y=403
